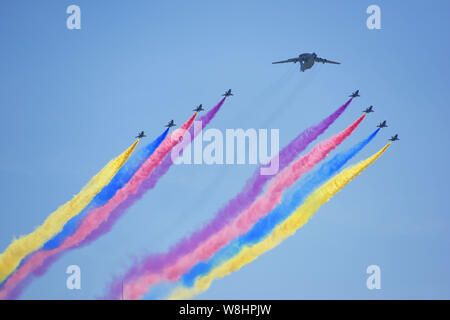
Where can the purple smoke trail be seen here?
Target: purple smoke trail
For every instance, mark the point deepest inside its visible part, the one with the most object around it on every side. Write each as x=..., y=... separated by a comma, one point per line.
x=241, y=201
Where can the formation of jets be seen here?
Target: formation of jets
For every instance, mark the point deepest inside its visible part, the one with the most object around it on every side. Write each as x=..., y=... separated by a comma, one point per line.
x=306, y=60
x=369, y=110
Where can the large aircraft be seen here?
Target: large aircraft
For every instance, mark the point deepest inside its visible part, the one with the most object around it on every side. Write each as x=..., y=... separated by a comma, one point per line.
x=355, y=94
x=394, y=138
x=170, y=124
x=382, y=125
x=227, y=93
x=306, y=61
x=199, y=108
x=141, y=135
x=369, y=110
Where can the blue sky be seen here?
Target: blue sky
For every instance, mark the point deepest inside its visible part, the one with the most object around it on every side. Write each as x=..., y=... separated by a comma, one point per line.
x=73, y=99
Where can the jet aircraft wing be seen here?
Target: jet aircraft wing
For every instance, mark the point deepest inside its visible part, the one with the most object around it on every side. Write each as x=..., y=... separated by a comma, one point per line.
x=288, y=60
x=326, y=61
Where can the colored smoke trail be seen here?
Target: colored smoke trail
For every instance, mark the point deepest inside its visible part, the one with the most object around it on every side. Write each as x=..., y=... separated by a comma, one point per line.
x=295, y=221
x=150, y=183
x=264, y=226
x=137, y=287
x=124, y=175
x=120, y=179
x=42, y=261
x=21, y=247
x=96, y=216
x=226, y=214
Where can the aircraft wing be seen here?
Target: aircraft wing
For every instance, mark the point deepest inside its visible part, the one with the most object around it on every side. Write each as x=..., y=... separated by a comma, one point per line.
x=288, y=60
x=326, y=61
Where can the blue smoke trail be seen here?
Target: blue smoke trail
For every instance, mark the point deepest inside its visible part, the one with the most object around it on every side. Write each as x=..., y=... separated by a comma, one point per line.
x=120, y=179
x=265, y=226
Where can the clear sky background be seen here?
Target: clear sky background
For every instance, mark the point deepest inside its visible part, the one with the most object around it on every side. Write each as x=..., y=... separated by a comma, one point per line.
x=73, y=99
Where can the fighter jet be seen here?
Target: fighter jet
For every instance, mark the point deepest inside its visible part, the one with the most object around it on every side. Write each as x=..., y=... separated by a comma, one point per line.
x=355, y=94
x=369, y=110
x=394, y=138
x=227, y=93
x=306, y=61
x=199, y=108
x=382, y=125
x=170, y=124
x=141, y=135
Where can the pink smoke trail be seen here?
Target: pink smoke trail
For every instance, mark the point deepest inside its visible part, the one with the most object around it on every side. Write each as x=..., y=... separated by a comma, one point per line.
x=97, y=216
x=139, y=285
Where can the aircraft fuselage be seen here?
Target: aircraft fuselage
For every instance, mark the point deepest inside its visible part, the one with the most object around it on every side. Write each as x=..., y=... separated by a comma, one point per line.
x=306, y=61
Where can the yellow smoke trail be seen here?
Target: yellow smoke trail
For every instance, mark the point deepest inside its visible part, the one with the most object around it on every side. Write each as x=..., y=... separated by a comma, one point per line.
x=287, y=228
x=21, y=247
